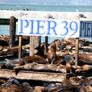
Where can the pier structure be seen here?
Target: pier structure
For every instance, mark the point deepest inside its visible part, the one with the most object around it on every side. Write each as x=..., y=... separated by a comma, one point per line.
x=6, y=19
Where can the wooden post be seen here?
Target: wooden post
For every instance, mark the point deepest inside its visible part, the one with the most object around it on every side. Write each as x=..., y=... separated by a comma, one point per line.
x=77, y=51
x=35, y=41
x=46, y=44
x=20, y=47
x=12, y=31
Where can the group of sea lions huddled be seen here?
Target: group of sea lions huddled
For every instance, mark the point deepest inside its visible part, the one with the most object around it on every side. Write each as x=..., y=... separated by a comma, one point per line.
x=72, y=84
x=60, y=57
x=7, y=51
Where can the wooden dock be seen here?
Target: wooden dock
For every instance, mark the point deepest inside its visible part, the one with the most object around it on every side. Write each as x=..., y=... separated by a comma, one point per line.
x=33, y=75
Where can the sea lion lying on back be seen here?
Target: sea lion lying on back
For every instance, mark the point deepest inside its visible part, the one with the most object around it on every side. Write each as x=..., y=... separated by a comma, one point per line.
x=42, y=67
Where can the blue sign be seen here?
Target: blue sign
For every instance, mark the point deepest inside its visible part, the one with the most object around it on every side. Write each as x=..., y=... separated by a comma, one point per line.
x=86, y=29
x=60, y=28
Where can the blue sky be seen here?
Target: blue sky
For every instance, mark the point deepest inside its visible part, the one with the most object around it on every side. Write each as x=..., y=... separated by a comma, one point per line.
x=48, y=2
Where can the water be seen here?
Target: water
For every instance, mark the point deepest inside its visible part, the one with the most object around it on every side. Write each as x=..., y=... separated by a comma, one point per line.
x=4, y=29
x=62, y=8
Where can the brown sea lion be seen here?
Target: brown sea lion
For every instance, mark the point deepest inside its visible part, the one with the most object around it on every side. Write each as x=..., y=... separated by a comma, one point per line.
x=4, y=41
x=82, y=89
x=41, y=50
x=35, y=58
x=13, y=50
x=72, y=42
x=27, y=87
x=52, y=53
x=62, y=53
x=42, y=67
x=1, y=47
x=12, y=88
x=69, y=61
x=88, y=88
x=9, y=64
x=3, y=53
x=38, y=89
x=84, y=68
x=74, y=80
x=12, y=85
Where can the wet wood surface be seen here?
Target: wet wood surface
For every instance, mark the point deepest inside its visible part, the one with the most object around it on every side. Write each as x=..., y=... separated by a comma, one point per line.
x=12, y=31
x=35, y=41
x=20, y=47
x=32, y=75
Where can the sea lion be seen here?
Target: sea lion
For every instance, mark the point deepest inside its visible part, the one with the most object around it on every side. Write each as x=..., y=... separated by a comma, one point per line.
x=9, y=64
x=1, y=48
x=84, y=68
x=54, y=88
x=13, y=88
x=41, y=50
x=42, y=67
x=4, y=42
x=12, y=85
x=4, y=65
x=72, y=42
x=38, y=89
x=74, y=80
x=12, y=61
x=82, y=89
x=69, y=61
x=27, y=87
x=88, y=88
x=3, y=53
x=12, y=50
x=11, y=81
x=52, y=53
x=35, y=58
x=62, y=53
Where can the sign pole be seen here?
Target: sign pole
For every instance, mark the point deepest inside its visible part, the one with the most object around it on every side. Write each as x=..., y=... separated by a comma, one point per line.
x=77, y=51
x=20, y=47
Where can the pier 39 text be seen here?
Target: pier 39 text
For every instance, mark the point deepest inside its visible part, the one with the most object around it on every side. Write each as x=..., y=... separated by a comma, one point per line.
x=51, y=27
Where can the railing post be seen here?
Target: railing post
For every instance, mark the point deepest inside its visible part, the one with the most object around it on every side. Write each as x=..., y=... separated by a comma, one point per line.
x=12, y=31
x=77, y=51
x=20, y=47
x=35, y=41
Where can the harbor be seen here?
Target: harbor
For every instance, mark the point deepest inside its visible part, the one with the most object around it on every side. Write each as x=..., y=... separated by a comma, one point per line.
x=64, y=65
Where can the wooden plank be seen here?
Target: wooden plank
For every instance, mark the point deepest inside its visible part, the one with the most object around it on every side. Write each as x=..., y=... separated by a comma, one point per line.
x=86, y=48
x=31, y=75
x=4, y=21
